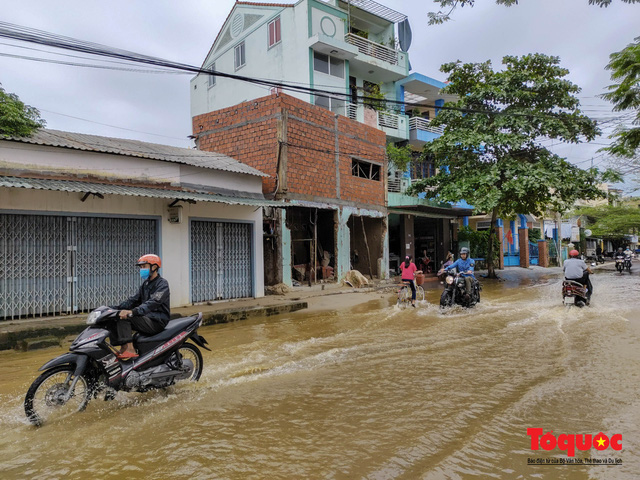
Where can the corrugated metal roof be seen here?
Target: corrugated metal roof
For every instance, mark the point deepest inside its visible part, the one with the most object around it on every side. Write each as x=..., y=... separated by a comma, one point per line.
x=378, y=9
x=135, y=191
x=136, y=148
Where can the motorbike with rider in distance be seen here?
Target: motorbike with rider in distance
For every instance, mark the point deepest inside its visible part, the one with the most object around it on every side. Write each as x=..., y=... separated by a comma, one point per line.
x=454, y=292
x=92, y=366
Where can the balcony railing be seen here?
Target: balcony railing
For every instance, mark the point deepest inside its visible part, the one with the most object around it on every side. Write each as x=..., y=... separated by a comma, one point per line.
x=417, y=123
x=373, y=49
x=388, y=120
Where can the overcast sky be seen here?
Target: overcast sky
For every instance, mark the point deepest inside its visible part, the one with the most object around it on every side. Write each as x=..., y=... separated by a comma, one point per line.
x=155, y=107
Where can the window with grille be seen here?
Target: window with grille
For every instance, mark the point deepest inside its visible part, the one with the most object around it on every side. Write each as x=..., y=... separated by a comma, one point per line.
x=364, y=169
x=239, y=56
x=274, y=32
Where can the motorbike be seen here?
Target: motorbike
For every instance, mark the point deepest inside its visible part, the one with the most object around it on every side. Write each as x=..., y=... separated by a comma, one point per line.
x=575, y=290
x=454, y=292
x=92, y=368
x=620, y=263
x=627, y=263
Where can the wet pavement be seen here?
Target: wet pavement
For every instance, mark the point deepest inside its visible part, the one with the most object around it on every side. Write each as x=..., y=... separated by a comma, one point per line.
x=368, y=391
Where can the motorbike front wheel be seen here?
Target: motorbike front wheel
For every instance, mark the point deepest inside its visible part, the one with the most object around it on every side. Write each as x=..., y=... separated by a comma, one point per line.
x=446, y=299
x=46, y=397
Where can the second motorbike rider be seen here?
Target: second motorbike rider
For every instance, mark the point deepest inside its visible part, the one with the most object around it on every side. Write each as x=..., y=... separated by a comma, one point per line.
x=465, y=266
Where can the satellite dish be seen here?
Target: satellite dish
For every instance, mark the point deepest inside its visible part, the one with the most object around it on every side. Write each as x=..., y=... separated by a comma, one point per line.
x=587, y=232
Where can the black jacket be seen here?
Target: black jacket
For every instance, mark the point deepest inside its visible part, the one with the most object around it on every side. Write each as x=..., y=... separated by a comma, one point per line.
x=152, y=300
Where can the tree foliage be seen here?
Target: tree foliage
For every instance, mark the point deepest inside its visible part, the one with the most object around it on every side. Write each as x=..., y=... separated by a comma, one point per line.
x=399, y=157
x=451, y=5
x=625, y=96
x=16, y=118
x=491, y=153
x=610, y=221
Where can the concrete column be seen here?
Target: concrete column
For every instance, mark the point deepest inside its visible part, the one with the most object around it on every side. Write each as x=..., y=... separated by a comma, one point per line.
x=543, y=253
x=285, y=248
x=343, y=243
x=500, y=251
x=406, y=235
x=523, y=239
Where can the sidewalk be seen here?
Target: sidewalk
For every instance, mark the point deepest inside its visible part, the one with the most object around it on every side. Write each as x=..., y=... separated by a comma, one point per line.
x=41, y=332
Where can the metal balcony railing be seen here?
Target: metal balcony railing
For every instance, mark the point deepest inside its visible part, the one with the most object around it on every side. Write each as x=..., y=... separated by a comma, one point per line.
x=373, y=49
x=388, y=120
x=417, y=123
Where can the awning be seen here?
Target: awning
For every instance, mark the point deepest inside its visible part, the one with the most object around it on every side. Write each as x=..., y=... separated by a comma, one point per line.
x=134, y=191
x=430, y=211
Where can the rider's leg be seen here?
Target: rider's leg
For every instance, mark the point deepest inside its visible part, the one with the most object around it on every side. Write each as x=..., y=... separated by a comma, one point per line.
x=468, y=281
x=413, y=292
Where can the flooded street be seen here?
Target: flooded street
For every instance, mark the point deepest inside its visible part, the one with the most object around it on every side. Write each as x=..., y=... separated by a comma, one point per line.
x=372, y=392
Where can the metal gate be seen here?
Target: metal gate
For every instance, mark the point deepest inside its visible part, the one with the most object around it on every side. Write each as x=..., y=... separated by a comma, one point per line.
x=61, y=264
x=220, y=261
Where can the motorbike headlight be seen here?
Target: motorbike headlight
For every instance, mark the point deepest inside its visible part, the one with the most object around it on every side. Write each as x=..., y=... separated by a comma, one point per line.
x=93, y=318
x=449, y=280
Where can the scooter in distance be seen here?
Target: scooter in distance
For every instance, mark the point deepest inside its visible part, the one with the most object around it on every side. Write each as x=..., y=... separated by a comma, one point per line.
x=92, y=368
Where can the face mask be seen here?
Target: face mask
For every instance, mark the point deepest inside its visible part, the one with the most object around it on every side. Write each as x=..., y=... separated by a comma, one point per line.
x=144, y=273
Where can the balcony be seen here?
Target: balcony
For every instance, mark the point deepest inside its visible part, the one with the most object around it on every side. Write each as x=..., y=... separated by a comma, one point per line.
x=395, y=126
x=421, y=132
x=377, y=62
x=375, y=50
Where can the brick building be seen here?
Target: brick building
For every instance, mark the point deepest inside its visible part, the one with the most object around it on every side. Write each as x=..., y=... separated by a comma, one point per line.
x=328, y=169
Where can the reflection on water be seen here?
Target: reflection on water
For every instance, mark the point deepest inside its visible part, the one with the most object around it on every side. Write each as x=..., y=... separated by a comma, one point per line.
x=374, y=392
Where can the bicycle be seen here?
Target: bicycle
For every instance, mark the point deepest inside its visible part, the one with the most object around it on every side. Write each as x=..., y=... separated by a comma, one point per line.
x=404, y=295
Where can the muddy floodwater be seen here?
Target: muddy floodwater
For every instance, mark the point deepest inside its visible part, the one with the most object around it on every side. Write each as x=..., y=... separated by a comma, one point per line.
x=371, y=392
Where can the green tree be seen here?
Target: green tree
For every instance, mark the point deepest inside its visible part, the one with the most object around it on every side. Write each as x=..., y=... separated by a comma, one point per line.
x=399, y=156
x=451, y=5
x=625, y=96
x=491, y=153
x=611, y=222
x=16, y=118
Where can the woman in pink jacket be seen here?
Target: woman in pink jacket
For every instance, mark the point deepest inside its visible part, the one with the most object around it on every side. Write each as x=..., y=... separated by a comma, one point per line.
x=408, y=270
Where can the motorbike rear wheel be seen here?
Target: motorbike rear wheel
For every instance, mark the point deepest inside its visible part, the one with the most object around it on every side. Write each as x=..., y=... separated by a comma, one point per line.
x=45, y=399
x=190, y=353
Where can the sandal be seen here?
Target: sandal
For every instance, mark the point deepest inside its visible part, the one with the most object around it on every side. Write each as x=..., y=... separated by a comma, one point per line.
x=127, y=355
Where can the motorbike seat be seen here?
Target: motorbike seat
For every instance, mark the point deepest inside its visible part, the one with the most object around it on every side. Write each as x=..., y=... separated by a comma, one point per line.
x=172, y=329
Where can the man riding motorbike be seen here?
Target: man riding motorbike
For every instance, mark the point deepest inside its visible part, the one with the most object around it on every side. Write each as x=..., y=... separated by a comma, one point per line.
x=147, y=311
x=575, y=269
x=465, y=266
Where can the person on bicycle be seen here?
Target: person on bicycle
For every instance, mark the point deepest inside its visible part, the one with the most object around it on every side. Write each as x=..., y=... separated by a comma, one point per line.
x=408, y=270
x=147, y=311
x=465, y=266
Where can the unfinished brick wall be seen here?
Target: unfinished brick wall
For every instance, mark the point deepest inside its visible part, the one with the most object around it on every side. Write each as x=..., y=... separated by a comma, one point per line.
x=252, y=132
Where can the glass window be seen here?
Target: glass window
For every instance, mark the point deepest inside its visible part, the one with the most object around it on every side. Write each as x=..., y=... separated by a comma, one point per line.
x=212, y=78
x=337, y=67
x=274, y=32
x=239, y=56
x=320, y=62
x=323, y=102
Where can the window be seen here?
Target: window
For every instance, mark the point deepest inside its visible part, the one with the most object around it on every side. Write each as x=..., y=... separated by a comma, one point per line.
x=334, y=104
x=422, y=167
x=330, y=65
x=239, y=56
x=274, y=32
x=364, y=169
x=212, y=78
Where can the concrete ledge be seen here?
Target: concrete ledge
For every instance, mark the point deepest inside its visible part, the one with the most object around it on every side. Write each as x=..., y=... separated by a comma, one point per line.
x=29, y=334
